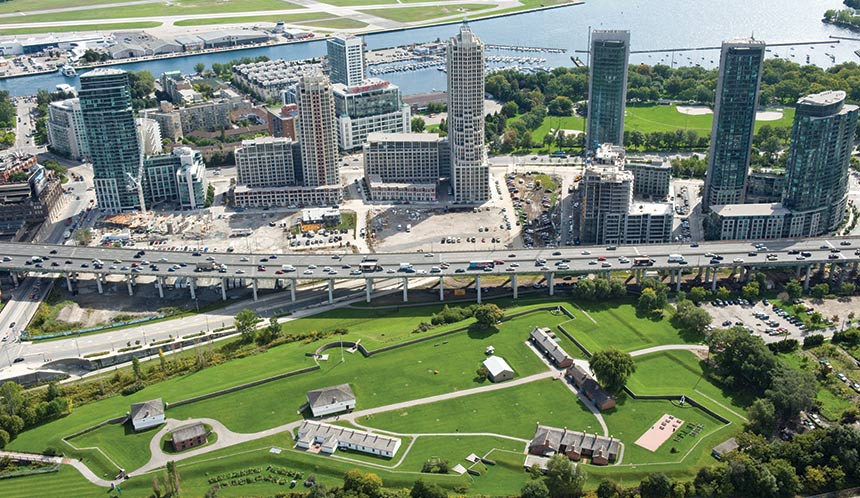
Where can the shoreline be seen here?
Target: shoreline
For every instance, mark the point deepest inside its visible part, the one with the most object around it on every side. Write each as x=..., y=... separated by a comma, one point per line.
x=177, y=55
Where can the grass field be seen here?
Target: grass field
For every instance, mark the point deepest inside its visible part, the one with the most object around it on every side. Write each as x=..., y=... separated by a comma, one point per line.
x=618, y=325
x=157, y=9
x=335, y=23
x=84, y=27
x=651, y=118
x=289, y=18
x=128, y=449
x=414, y=14
x=31, y=5
x=548, y=401
x=413, y=372
x=68, y=483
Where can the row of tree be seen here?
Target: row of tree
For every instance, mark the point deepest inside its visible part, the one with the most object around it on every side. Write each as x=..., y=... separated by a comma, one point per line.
x=20, y=410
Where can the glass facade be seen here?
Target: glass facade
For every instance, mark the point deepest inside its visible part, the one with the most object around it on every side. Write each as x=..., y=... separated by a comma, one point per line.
x=734, y=122
x=607, y=89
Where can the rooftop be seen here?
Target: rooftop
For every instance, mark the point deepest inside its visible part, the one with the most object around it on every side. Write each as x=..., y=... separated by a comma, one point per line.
x=146, y=409
x=188, y=432
x=402, y=137
x=652, y=208
x=330, y=395
x=331, y=435
x=497, y=365
x=740, y=210
x=828, y=97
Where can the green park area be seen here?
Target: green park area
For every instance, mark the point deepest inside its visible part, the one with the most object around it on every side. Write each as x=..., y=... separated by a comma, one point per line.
x=155, y=9
x=438, y=429
x=287, y=18
x=115, y=26
x=415, y=14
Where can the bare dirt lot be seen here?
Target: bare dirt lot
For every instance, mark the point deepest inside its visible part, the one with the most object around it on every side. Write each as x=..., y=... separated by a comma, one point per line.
x=476, y=230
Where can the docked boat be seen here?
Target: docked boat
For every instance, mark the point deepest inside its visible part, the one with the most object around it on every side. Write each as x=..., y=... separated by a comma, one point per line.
x=68, y=71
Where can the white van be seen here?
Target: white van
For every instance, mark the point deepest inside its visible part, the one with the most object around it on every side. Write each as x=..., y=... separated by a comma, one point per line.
x=676, y=258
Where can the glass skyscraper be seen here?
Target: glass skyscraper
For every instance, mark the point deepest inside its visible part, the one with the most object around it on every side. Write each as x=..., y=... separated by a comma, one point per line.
x=607, y=88
x=816, y=187
x=345, y=59
x=734, y=122
x=108, y=118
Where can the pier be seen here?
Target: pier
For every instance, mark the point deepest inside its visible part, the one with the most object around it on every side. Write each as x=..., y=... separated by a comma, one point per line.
x=769, y=45
x=523, y=48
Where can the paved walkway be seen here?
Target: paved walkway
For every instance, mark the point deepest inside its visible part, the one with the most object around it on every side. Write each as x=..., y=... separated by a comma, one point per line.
x=670, y=347
x=35, y=457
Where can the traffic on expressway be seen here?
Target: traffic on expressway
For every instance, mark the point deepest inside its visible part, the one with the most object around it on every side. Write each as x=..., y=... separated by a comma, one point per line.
x=47, y=259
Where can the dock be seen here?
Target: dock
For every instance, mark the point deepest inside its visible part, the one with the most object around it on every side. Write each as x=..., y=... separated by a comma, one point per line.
x=693, y=49
x=523, y=48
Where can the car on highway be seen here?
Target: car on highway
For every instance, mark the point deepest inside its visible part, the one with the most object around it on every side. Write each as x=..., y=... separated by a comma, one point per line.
x=737, y=260
x=18, y=360
x=12, y=325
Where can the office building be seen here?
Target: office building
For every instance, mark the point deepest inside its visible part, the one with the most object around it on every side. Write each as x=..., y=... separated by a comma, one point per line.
x=345, y=59
x=66, y=132
x=403, y=166
x=747, y=222
x=108, y=117
x=822, y=138
x=317, y=130
x=469, y=170
x=177, y=178
x=607, y=89
x=265, y=162
x=651, y=176
x=734, y=122
x=29, y=193
x=373, y=106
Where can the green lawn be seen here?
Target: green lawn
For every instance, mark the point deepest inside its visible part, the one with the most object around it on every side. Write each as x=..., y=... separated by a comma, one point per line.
x=412, y=372
x=11, y=6
x=158, y=9
x=414, y=14
x=548, y=401
x=618, y=325
x=128, y=449
x=80, y=27
x=336, y=23
x=289, y=18
x=649, y=118
x=66, y=483
x=552, y=123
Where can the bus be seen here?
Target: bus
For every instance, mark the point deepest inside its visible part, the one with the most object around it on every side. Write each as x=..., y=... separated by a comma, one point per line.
x=643, y=261
x=480, y=265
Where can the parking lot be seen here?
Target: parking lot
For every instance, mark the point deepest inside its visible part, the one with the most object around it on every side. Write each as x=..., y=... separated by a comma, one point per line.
x=535, y=199
x=770, y=324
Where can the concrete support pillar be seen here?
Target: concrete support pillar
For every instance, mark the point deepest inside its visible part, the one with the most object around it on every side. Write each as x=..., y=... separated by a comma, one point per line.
x=405, y=290
x=637, y=275
x=714, y=281
x=832, y=274
x=330, y=290
x=98, y=283
x=806, y=280
x=441, y=288
x=707, y=274
x=550, y=282
x=854, y=267
x=797, y=273
x=822, y=267
x=678, y=280
x=223, y=289
x=15, y=278
x=842, y=269
x=368, y=287
x=514, y=285
x=293, y=289
x=128, y=283
x=192, y=287
x=68, y=282
x=478, y=287
x=254, y=287
x=671, y=277
x=159, y=284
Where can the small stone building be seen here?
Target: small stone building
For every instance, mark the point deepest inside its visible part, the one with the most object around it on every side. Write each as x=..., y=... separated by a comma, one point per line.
x=189, y=436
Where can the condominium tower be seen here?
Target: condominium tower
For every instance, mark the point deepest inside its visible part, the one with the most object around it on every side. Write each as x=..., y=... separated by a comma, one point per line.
x=112, y=140
x=469, y=169
x=817, y=168
x=265, y=162
x=734, y=121
x=346, y=59
x=607, y=88
x=317, y=130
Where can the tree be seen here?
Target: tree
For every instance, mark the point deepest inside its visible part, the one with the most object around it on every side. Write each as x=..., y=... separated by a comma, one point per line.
x=743, y=360
x=847, y=288
x=246, y=324
x=135, y=367
x=583, y=289
x=563, y=478
x=691, y=318
x=608, y=489
x=787, y=481
x=4, y=438
x=792, y=390
x=534, y=489
x=647, y=301
x=510, y=109
x=418, y=125
x=723, y=293
x=820, y=291
x=363, y=484
x=421, y=489
x=793, y=289
x=762, y=416
x=173, y=480
x=560, y=106
x=488, y=314
x=751, y=291
x=482, y=373
x=82, y=236
x=655, y=485
x=698, y=295
x=199, y=67
x=612, y=366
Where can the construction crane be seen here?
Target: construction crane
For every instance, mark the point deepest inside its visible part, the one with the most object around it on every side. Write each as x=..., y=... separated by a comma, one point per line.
x=137, y=182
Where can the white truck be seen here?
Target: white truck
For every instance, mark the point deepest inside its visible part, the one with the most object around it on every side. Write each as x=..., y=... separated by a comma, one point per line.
x=405, y=266
x=676, y=258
